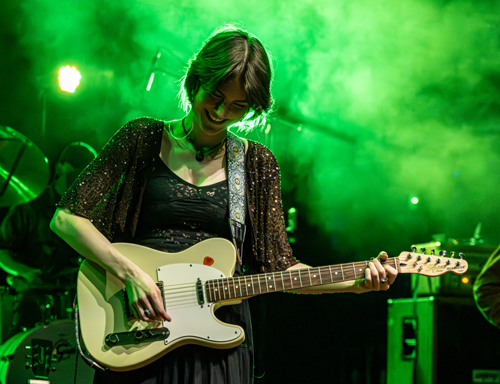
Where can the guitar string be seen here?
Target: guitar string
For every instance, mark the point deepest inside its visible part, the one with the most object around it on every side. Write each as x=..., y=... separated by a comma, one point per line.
x=238, y=279
x=264, y=276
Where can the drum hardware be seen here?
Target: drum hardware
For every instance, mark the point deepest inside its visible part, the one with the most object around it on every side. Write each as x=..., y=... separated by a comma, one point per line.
x=24, y=169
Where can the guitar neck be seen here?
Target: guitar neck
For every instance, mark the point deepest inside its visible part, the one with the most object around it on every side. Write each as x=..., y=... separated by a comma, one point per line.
x=252, y=285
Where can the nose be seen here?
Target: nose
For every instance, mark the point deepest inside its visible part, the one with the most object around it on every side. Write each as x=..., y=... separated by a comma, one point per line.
x=221, y=110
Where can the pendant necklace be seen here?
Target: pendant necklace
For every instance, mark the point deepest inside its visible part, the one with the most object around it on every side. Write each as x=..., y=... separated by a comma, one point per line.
x=200, y=155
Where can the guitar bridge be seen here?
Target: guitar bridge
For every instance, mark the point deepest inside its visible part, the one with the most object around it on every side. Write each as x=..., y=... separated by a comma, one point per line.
x=137, y=337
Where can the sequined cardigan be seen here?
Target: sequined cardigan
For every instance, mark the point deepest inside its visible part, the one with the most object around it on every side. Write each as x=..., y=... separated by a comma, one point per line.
x=109, y=191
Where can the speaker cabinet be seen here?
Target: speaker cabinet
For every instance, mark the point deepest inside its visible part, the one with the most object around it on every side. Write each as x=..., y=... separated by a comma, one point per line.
x=440, y=340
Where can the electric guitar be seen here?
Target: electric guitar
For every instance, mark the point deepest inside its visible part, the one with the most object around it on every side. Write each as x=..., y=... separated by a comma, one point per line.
x=194, y=283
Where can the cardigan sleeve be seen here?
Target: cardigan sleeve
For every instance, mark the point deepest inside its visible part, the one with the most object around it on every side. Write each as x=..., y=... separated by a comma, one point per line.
x=269, y=239
x=104, y=191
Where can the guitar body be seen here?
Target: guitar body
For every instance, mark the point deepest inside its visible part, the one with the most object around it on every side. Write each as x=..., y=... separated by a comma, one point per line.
x=102, y=304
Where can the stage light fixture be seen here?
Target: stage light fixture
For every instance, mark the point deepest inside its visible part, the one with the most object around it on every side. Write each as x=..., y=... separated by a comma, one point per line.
x=69, y=78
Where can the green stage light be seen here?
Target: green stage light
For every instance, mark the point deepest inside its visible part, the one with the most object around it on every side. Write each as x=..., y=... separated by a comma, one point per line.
x=69, y=78
x=414, y=200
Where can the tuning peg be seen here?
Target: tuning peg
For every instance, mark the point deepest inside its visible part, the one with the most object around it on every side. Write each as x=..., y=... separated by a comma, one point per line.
x=433, y=252
x=422, y=250
x=452, y=255
x=442, y=253
x=414, y=249
x=461, y=254
x=429, y=259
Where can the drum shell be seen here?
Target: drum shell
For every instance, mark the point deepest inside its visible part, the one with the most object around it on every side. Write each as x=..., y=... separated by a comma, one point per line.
x=15, y=352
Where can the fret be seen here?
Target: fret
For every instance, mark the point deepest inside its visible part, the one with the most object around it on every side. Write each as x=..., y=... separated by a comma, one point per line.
x=224, y=288
x=217, y=290
x=253, y=287
x=291, y=280
x=309, y=273
x=234, y=286
x=320, y=270
x=267, y=285
x=342, y=271
x=360, y=271
x=246, y=286
x=274, y=282
x=282, y=282
x=331, y=276
x=258, y=280
x=300, y=277
x=354, y=270
x=207, y=290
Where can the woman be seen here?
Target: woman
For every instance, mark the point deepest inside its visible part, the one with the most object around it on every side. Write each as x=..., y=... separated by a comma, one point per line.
x=164, y=185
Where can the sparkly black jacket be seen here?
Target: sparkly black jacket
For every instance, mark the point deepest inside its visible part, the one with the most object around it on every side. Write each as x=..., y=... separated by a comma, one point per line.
x=109, y=191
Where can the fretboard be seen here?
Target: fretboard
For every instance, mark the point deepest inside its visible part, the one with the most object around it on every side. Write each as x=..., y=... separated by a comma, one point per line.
x=252, y=285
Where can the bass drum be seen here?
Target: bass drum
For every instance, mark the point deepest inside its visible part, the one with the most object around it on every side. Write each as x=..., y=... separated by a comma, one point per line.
x=45, y=353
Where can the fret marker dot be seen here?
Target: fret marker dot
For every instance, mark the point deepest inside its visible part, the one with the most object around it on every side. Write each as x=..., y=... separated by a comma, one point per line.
x=248, y=284
x=336, y=273
x=314, y=275
x=225, y=288
x=270, y=286
x=236, y=287
x=295, y=278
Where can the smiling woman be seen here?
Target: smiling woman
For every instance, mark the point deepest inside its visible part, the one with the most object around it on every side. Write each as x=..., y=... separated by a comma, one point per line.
x=231, y=53
x=164, y=185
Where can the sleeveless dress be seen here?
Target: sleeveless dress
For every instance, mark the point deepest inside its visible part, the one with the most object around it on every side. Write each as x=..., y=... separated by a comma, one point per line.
x=174, y=216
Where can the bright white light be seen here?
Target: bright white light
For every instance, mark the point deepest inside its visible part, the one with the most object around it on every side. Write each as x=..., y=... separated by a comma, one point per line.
x=69, y=78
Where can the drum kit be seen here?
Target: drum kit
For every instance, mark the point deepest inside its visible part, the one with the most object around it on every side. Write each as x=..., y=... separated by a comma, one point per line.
x=45, y=353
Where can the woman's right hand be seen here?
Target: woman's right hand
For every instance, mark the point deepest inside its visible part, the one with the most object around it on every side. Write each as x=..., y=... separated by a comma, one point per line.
x=84, y=238
x=145, y=298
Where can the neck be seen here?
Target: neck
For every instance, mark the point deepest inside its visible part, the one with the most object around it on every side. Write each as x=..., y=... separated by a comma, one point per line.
x=198, y=138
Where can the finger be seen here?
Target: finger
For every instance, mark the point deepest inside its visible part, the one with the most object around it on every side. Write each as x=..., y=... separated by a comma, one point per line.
x=382, y=255
x=380, y=270
x=368, y=278
x=375, y=275
x=158, y=307
x=392, y=273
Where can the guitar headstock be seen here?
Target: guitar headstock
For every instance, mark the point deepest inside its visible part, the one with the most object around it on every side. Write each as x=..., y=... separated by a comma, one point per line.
x=431, y=265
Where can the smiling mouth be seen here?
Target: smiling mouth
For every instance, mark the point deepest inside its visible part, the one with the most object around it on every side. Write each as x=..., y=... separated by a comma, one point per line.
x=213, y=118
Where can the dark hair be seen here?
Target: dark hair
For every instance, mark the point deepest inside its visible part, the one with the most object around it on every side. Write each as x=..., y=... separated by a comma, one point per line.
x=231, y=51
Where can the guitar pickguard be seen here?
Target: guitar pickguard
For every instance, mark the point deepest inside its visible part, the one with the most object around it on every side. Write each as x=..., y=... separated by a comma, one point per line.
x=189, y=317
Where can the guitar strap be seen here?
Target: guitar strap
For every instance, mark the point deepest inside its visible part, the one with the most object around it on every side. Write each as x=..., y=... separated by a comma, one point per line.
x=236, y=179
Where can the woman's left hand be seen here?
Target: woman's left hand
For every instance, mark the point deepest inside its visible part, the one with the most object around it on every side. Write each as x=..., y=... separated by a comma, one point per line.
x=378, y=276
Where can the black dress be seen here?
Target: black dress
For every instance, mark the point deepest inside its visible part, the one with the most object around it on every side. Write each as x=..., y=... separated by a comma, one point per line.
x=174, y=216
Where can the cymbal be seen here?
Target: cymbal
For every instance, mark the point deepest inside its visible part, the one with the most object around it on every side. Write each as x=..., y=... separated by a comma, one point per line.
x=24, y=169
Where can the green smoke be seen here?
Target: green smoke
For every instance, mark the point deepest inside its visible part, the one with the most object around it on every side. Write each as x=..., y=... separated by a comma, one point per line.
x=395, y=98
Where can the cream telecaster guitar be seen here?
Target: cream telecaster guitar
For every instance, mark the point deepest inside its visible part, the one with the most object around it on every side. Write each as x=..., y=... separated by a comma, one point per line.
x=194, y=284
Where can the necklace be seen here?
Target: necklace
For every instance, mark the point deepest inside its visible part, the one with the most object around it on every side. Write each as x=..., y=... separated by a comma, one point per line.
x=171, y=131
x=200, y=155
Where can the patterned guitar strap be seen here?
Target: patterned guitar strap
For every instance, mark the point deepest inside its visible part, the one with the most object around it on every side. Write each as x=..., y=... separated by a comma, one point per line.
x=236, y=177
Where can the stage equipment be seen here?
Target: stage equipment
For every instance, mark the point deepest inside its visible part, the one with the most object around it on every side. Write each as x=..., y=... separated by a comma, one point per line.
x=42, y=355
x=69, y=78
x=24, y=169
x=440, y=340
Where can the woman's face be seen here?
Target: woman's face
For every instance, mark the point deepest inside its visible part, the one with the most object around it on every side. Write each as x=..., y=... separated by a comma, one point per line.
x=214, y=112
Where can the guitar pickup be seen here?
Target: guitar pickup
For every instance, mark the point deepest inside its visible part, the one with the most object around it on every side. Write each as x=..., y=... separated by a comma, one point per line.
x=137, y=337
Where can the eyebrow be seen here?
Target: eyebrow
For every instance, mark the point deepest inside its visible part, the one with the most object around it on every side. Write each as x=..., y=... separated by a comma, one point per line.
x=236, y=101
